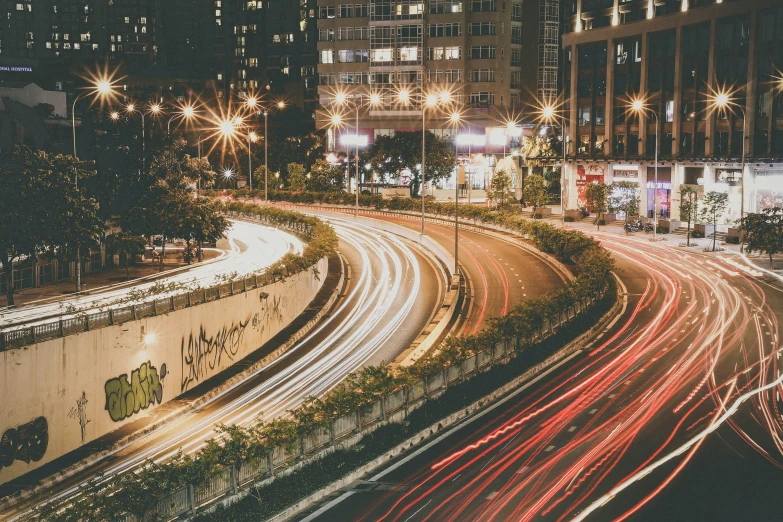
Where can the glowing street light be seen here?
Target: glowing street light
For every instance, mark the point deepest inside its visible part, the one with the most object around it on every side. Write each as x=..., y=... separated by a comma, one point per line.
x=722, y=100
x=226, y=128
x=114, y=115
x=187, y=112
x=548, y=114
x=638, y=106
x=102, y=88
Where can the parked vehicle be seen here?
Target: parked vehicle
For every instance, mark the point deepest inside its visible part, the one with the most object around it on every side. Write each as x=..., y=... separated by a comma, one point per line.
x=649, y=227
x=633, y=226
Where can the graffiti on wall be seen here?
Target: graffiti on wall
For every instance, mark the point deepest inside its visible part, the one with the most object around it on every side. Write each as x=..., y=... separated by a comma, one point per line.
x=26, y=443
x=203, y=352
x=124, y=398
x=80, y=412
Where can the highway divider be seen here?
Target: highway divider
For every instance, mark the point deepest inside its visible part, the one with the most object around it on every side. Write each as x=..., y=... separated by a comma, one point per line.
x=373, y=397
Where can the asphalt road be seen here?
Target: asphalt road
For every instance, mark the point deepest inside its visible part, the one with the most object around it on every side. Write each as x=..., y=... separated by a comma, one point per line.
x=646, y=425
x=391, y=293
x=252, y=247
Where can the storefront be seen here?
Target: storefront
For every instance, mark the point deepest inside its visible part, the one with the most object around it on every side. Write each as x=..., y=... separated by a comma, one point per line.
x=729, y=181
x=659, y=193
x=767, y=190
x=586, y=174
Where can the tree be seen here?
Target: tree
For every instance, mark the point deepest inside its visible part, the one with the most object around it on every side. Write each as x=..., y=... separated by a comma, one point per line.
x=624, y=196
x=296, y=176
x=764, y=232
x=713, y=205
x=535, y=192
x=500, y=188
x=43, y=211
x=202, y=222
x=689, y=207
x=198, y=171
x=391, y=155
x=127, y=246
x=325, y=177
x=596, y=196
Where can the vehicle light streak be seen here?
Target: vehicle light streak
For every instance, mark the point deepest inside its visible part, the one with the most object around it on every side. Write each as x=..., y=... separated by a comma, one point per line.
x=676, y=363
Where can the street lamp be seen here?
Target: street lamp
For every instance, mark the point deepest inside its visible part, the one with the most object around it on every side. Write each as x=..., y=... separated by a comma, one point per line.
x=548, y=114
x=101, y=88
x=341, y=99
x=153, y=109
x=455, y=119
x=253, y=103
x=187, y=112
x=228, y=174
x=638, y=106
x=252, y=137
x=429, y=101
x=722, y=101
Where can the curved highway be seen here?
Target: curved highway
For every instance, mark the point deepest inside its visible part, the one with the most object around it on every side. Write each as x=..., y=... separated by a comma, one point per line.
x=391, y=292
x=253, y=248
x=674, y=414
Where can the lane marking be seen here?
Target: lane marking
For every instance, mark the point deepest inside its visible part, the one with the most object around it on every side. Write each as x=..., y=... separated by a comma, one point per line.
x=492, y=495
x=571, y=429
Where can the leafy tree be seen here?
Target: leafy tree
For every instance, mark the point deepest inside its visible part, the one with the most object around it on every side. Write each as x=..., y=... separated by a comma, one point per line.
x=43, y=211
x=202, y=222
x=325, y=177
x=624, y=196
x=713, y=205
x=198, y=171
x=764, y=232
x=296, y=176
x=596, y=196
x=689, y=207
x=391, y=155
x=500, y=188
x=126, y=246
x=535, y=192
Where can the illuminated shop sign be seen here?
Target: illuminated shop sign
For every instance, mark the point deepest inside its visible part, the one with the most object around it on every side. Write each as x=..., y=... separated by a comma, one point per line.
x=666, y=185
x=16, y=68
x=626, y=174
x=728, y=176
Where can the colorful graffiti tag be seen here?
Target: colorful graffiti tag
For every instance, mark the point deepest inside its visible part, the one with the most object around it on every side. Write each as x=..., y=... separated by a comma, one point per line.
x=124, y=398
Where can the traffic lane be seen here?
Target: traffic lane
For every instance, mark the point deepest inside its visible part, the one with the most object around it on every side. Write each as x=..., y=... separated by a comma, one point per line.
x=370, y=276
x=502, y=274
x=728, y=478
x=252, y=247
x=372, y=505
x=555, y=432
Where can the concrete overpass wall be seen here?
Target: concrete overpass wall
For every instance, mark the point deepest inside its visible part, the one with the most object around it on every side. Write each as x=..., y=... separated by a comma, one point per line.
x=59, y=394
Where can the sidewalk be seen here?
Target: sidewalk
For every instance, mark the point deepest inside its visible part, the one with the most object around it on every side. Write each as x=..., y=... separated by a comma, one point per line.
x=103, y=279
x=677, y=240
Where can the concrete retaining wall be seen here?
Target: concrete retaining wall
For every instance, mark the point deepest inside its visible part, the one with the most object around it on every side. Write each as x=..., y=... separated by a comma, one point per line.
x=65, y=392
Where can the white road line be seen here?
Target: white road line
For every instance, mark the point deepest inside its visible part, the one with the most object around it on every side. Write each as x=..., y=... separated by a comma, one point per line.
x=492, y=495
x=549, y=448
x=417, y=511
x=571, y=429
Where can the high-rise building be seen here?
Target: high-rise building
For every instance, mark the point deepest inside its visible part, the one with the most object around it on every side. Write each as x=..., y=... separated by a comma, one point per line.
x=493, y=57
x=682, y=59
x=238, y=46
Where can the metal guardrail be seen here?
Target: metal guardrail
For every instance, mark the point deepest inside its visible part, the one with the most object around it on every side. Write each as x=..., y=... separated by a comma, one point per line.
x=342, y=431
x=20, y=337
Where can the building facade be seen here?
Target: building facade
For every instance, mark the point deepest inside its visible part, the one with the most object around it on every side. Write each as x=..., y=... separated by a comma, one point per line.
x=233, y=45
x=492, y=56
x=678, y=56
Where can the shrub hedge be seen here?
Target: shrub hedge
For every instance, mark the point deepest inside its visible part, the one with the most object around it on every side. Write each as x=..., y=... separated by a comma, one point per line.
x=138, y=492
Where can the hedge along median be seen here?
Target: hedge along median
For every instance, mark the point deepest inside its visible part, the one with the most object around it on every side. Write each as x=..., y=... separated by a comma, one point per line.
x=528, y=333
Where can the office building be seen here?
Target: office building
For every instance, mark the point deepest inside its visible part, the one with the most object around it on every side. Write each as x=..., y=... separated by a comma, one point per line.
x=679, y=57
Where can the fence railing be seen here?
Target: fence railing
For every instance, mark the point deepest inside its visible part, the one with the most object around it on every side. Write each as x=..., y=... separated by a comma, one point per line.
x=25, y=336
x=342, y=430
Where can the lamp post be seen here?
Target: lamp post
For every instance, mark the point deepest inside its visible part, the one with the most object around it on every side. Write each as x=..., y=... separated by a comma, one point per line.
x=638, y=107
x=252, y=137
x=252, y=103
x=430, y=101
x=342, y=99
x=455, y=119
x=101, y=88
x=723, y=102
x=186, y=113
x=548, y=115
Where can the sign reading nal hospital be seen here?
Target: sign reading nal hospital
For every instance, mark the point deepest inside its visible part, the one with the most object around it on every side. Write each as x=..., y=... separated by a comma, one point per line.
x=16, y=68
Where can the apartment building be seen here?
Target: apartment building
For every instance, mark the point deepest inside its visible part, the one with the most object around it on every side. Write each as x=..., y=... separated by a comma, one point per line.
x=678, y=56
x=485, y=53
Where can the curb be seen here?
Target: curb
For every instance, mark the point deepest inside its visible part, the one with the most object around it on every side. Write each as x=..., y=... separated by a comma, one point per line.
x=571, y=348
x=58, y=476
